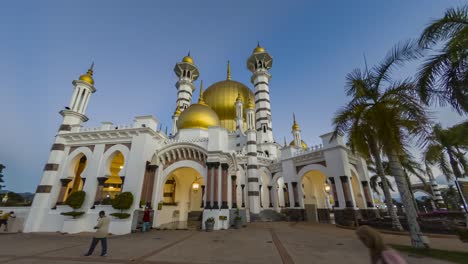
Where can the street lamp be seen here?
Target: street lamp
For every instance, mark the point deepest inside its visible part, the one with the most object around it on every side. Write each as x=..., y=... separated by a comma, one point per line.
x=327, y=188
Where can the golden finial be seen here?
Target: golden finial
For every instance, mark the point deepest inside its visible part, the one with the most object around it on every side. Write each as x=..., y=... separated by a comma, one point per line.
x=188, y=59
x=239, y=98
x=229, y=70
x=201, y=99
x=295, y=126
x=259, y=48
x=250, y=104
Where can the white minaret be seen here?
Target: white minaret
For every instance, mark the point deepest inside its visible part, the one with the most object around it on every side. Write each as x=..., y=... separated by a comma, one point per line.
x=296, y=131
x=72, y=116
x=252, y=162
x=239, y=113
x=187, y=73
x=175, y=118
x=259, y=63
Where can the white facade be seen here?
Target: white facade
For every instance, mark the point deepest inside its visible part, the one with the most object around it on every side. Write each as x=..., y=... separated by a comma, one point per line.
x=244, y=168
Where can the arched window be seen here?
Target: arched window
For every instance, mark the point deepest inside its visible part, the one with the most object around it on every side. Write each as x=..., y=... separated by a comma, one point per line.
x=264, y=128
x=76, y=184
x=113, y=184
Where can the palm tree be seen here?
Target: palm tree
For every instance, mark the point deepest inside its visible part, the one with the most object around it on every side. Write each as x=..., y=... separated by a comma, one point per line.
x=394, y=116
x=361, y=137
x=447, y=143
x=444, y=75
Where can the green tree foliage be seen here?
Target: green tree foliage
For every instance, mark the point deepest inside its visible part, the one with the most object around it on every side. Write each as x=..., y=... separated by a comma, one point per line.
x=76, y=199
x=1, y=176
x=123, y=201
x=443, y=77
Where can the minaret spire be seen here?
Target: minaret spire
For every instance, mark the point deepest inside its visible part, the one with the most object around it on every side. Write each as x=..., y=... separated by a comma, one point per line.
x=201, y=99
x=229, y=70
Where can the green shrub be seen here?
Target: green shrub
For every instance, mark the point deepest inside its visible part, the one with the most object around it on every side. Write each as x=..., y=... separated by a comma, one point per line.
x=121, y=215
x=123, y=201
x=76, y=199
x=73, y=213
x=211, y=219
x=106, y=201
x=462, y=234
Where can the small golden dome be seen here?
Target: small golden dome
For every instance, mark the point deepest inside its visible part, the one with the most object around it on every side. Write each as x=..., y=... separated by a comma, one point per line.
x=198, y=116
x=250, y=104
x=258, y=49
x=188, y=59
x=239, y=98
x=177, y=111
x=88, y=77
x=295, y=126
x=303, y=144
x=222, y=96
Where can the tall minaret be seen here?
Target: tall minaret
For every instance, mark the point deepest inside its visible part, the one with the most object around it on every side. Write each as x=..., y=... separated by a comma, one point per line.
x=239, y=113
x=175, y=117
x=187, y=73
x=259, y=63
x=252, y=162
x=296, y=131
x=72, y=116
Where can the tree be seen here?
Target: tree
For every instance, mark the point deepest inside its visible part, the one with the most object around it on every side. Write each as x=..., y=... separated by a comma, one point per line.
x=393, y=116
x=447, y=146
x=444, y=76
x=1, y=176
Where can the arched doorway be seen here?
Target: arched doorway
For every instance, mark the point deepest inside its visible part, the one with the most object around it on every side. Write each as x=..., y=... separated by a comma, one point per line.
x=182, y=199
x=113, y=184
x=316, y=195
x=281, y=194
x=77, y=166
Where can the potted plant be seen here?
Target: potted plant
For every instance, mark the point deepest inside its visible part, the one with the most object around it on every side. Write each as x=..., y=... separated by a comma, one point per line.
x=122, y=202
x=237, y=220
x=160, y=205
x=462, y=234
x=209, y=224
x=75, y=201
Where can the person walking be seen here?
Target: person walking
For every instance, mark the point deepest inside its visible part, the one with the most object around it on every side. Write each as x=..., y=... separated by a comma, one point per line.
x=379, y=252
x=4, y=219
x=146, y=219
x=100, y=235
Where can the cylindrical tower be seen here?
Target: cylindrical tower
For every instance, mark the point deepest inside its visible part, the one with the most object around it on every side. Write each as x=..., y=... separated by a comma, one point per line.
x=72, y=116
x=296, y=131
x=252, y=162
x=187, y=73
x=259, y=63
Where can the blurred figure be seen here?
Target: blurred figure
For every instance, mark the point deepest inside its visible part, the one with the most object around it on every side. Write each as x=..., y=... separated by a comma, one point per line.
x=146, y=219
x=379, y=252
x=102, y=230
x=4, y=219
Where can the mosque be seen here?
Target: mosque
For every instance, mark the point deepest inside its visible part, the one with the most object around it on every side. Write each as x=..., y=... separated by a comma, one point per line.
x=219, y=161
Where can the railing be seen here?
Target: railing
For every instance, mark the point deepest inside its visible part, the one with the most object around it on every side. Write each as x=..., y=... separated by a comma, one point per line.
x=308, y=150
x=111, y=127
x=189, y=140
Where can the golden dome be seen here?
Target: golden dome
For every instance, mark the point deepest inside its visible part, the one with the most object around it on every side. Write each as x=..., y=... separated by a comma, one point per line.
x=88, y=77
x=303, y=144
x=258, y=49
x=198, y=115
x=188, y=59
x=222, y=96
x=295, y=126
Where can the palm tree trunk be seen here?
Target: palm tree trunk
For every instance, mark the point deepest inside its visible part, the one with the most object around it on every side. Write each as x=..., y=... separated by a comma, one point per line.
x=411, y=216
x=458, y=174
x=386, y=190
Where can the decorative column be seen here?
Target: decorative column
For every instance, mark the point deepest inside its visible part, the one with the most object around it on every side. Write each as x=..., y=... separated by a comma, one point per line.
x=286, y=196
x=269, y=196
x=234, y=191
x=215, y=175
x=261, y=196
x=209, y=185
x=346, y=190
x=243, y=196
x=295, y=194
x=203, y=195
x=98, y=196
x=63, y=189
x=335, y=194
x=367, y=195
x=224, y=186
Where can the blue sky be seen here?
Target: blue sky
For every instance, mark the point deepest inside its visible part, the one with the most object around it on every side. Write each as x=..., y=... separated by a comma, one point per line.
x=135, y=45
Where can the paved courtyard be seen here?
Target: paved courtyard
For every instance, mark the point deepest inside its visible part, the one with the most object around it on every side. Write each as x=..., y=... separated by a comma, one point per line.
x=258, y=243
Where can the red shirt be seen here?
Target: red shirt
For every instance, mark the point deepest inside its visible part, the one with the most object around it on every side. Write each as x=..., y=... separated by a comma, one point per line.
x=146, y=216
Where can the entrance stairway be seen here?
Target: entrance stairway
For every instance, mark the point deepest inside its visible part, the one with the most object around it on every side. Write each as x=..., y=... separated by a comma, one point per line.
x=194, y=220
x=268, y=215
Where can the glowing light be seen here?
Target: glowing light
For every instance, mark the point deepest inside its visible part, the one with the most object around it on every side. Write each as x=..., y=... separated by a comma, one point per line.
x=327, y=188
x=121, y=167
x=195, y=186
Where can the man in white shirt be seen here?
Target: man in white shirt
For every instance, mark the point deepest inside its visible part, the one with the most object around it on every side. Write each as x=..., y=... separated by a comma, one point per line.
x=100, y=235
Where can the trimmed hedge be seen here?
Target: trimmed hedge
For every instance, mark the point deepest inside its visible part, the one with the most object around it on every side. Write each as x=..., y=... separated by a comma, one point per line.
x=73, y=213
x=123, y=201
x=120, y=215
x=76, y=199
